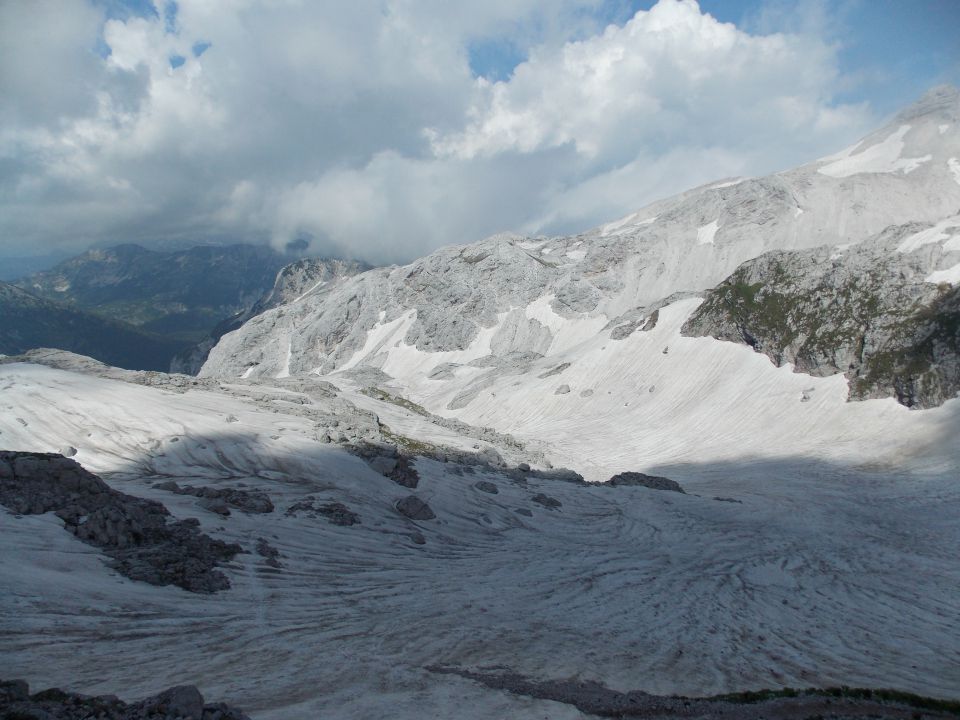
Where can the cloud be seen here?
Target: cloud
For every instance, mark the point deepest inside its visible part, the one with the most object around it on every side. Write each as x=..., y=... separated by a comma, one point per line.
x=362, y=127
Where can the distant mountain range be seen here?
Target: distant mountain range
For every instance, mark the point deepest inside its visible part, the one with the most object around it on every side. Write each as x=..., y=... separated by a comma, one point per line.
x=31, y=322
x=139, y=309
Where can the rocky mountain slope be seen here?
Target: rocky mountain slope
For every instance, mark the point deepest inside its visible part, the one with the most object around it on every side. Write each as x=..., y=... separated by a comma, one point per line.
x=303, y=276
x=886, y=313
x=511, y=294
x=32, y=322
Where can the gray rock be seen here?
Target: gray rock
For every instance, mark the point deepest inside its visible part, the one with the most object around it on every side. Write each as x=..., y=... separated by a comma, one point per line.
x=334, y=512
x=547, y=501
x=68, y=451
x=524, y=512
x=383, y=465
x=638, y=479
x=487, y=487
x=142, y=540
x=562, y=390
x=214, y=505
x=183, y=701
x=415, y=508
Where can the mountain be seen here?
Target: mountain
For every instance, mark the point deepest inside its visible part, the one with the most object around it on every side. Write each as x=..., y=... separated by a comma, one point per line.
x=704, y=450
x=33, y=322
x=296, y=280
x=181, y=294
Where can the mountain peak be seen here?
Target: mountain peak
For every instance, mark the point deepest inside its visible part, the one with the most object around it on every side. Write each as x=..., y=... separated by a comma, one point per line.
x=939, y=100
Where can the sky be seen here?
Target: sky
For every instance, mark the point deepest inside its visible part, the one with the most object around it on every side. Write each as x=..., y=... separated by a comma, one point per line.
x=383, y=129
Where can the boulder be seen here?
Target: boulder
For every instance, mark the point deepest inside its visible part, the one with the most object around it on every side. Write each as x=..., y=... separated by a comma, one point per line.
x=414, y=508
x=654, y=482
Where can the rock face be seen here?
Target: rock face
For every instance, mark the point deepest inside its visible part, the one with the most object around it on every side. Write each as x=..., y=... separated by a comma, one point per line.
x=184, y=702
x=510, y=295
x=302, y=277
x=144, y=542
x=654, y=482
x=883, y=312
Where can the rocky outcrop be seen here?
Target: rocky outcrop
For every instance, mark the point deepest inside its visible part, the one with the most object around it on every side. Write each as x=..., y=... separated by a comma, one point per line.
x=335, y=513
x=299, y=278
x=183, y=702
x=638, y=479
x=415, y=508
x=248, y=501
x=873, y=312
x=139, y=535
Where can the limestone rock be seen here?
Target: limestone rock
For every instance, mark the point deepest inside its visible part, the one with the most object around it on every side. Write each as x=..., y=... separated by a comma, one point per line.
x=415, y=508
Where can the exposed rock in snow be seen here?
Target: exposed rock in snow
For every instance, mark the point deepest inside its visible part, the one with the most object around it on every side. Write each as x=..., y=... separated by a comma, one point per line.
x=871, y=314
x=136, y=533
x=654, y=482
x=184, y=702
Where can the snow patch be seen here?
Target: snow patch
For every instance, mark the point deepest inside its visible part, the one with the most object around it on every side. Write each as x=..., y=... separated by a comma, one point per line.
x=706, y=233
x=798, y=211
x=577, y=255
x=727, y=183
x=950, y=275
x=884, y=157
x=943, y=230
x=301, y=297
x=943, y=128
x=618, y=227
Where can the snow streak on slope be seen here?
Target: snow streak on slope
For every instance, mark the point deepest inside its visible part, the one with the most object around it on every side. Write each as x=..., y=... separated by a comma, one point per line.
x=884, y=157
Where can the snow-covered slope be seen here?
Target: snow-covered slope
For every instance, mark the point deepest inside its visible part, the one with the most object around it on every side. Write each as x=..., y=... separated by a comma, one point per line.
x=770, y=571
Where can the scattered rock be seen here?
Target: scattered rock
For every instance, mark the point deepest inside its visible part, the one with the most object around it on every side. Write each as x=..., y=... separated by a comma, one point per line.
x=139, y=535
x=523, y=467
x=414, y=508
x=418, y=538
x=554, y=371
x=183, y=703
x=334, y=512
x=562, y=390
x=654, y=482
x=547, y=501
x=248, y=501
x=214, y=505
x=270, y=553
x=524, y=512
x=487, y=487
x=586, y=393
x=68, y=451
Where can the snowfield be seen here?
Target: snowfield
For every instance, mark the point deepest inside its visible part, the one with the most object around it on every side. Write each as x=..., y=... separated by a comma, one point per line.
x=831, y=564
x=815, y=543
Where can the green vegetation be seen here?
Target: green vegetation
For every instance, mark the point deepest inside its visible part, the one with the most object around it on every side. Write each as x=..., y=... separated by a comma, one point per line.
x=397, y=400
x=409, y=445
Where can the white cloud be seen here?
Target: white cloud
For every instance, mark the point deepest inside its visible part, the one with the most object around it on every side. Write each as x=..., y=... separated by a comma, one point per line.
x=361, y=125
